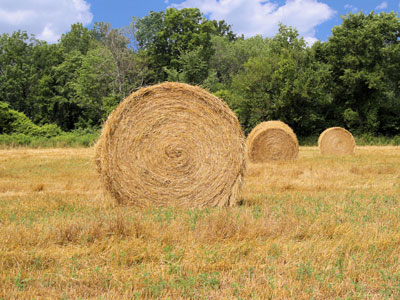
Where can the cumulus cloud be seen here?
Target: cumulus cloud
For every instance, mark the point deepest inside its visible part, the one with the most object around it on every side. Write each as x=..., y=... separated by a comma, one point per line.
x=252, y=17
x=383, y=5
x=46, y=19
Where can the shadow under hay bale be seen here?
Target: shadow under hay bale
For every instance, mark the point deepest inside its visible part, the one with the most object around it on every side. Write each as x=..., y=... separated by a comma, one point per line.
x=272, y=140
x=336, y=141
x=172, y=144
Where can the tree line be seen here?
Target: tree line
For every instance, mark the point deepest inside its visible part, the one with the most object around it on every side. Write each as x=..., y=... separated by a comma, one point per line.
x=351, y=80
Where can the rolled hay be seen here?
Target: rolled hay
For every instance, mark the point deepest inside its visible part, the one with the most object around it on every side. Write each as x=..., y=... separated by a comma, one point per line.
x=272, y=140
x=172, y=144
x=336, y=141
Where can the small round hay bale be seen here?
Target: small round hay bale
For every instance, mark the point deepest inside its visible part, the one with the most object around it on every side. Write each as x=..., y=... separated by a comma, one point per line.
x=172, y=144
x=272, y=140
x=336, y=141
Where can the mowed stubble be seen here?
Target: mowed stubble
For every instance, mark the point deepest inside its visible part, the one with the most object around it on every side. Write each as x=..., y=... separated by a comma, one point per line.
x=322, y=227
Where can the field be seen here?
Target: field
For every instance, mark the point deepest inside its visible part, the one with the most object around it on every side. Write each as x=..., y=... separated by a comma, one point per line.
x=323, y=227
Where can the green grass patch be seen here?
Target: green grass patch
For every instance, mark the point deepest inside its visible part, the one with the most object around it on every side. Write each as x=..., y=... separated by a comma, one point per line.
x=78, y=138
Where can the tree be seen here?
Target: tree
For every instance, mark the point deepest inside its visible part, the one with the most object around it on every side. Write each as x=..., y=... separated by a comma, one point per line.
x=27, y=81
x=229, y=57
x=15, y=68
x=364, y=53
x=12, y=121
x=175, y=39
x=283, y=83
x=129, y=68
x=78, y=38
x=64, y=106
x=44, y=58
x=145, y=29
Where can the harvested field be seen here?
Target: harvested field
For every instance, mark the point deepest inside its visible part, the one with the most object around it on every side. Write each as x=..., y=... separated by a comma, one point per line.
x=317, y=228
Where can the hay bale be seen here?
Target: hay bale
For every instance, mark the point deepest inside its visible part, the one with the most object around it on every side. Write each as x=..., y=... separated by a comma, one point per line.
x=172, y=144
x=272, y=140
x=336, y=141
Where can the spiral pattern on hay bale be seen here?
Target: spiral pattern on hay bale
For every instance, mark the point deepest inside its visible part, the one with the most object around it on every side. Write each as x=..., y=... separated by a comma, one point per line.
x=272, y=140
x=172, y=144
x=336, y=141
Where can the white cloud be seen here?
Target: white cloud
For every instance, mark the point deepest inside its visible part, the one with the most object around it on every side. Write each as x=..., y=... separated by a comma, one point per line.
x=46, y=19
x=383, y=5
x=48, y=34
x=252, y=17
x=351, y=7
x=310, y=40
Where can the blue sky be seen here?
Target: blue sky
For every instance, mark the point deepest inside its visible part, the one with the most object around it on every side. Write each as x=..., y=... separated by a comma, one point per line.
x=48, y=19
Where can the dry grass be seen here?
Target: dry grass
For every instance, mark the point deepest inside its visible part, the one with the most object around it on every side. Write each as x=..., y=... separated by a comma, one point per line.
x=318, y=228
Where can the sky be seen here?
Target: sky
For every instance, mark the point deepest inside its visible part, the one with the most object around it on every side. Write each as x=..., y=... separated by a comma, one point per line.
x=314, y=19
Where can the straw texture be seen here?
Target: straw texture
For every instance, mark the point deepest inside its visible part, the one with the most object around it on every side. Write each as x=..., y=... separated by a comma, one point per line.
x=172, y=144
x=336, y=141
x=272, y=140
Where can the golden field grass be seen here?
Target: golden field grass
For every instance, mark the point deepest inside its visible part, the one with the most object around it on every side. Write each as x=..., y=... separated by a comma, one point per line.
x=323, y=227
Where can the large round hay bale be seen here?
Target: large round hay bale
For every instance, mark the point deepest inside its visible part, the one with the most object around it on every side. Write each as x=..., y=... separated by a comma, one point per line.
x=272, y=140
x=172, y=144
x=336, y=141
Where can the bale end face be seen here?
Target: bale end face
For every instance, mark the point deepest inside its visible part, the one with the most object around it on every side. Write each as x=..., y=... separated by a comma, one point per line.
x=172, y=144
x=336, y=141
x=272, y=140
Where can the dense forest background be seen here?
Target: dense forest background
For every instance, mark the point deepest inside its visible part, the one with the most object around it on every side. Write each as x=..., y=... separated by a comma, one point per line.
x=352, y=80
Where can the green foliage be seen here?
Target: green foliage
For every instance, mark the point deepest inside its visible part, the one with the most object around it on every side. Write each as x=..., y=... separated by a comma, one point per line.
x=92, y=84
x=369, y=139
x=235, y=102
x=364, y=53
x=76, y=138
x=12, y=121
x=193, y=68
x=126, y=69
x=49, y=130
x=110, y=103
x=6, y=118
x=283, y=83
x=351, y=117
x=15, y=68
x=77, y=39
x=178, y=40
x=352, y=80
x=361, y=140
x=18, y=130
x=229, y=57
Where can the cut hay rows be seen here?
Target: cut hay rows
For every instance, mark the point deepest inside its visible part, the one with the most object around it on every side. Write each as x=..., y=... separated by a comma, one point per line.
x=172, y=144
x=272, y=140
x=336, y=141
